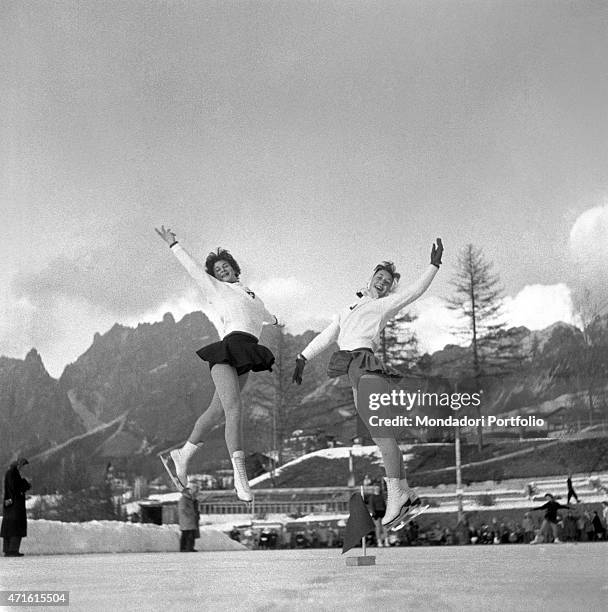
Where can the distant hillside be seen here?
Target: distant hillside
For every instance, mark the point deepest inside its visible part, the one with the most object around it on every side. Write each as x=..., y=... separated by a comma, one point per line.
x=330, y=467
x=149, y=385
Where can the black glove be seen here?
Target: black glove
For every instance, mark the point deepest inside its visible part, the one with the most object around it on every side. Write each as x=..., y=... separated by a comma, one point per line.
x=299, y=369
x=436, y=253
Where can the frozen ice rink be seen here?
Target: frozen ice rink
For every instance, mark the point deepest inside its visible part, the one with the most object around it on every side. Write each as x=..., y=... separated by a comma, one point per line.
x=519, y=577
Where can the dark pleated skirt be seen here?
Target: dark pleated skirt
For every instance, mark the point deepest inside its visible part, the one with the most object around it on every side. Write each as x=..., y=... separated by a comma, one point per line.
x=239, y=350
x=358, y=362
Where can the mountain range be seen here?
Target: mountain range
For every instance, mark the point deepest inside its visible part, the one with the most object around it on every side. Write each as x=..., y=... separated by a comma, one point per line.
x=137, y=391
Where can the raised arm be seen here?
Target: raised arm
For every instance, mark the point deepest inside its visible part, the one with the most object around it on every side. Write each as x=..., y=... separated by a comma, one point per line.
x=207, y=283
x=403, y=296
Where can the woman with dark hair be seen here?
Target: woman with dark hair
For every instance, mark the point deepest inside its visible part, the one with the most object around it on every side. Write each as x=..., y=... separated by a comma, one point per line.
x=357, y=330
x=14, y=516
x=242, y=315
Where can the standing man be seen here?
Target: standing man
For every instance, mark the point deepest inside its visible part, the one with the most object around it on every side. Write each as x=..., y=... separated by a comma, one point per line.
x=571, y=491
x=14, y=517
x=188, y=515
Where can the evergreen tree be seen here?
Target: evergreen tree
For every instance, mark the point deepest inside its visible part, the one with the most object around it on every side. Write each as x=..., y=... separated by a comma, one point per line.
x=274, y=398
x=399, y=344
x=477, y=297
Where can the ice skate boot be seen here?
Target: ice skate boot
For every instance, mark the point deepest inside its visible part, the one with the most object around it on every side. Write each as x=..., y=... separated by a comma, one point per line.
x=397, y=503
x=241, y=482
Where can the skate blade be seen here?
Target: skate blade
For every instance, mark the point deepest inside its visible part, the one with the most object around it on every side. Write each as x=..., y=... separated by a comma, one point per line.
x=174, y=479
x=405, y=510
x=408, y=517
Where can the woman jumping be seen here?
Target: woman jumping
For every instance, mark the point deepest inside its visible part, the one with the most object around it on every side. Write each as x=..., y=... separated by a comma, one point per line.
x=242, y=316
x=357, y=330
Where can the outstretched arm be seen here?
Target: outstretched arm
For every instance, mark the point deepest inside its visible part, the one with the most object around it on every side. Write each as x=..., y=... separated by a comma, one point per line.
x=322, y=341
x=318, y=345
x=207, y=283
x=543, y=507
x=403, y=296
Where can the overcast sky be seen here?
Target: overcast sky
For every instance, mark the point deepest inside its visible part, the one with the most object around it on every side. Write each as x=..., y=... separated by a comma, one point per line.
x=312, y=139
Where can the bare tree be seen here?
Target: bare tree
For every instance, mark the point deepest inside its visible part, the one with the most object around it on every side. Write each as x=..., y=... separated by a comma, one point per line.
x=592, y=361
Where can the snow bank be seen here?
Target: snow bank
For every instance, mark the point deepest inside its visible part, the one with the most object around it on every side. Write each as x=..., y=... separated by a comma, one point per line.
x=340, y=452
x=54, y=537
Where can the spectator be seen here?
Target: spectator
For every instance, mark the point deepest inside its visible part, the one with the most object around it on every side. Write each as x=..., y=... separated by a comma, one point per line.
x=188, y=516
x=571, y=491
x=598, y=527
x=589, y=531
x=528, y=527
x=323, y=535
x=569, y=528
x=605, y=512
x=463, y=532
x=14, y=516
x=235, y=534
x=377, y=508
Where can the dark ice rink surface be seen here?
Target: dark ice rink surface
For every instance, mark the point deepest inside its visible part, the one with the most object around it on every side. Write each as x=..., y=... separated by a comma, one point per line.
x=553, y=577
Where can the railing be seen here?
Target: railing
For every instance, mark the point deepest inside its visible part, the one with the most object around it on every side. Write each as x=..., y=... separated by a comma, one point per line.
x=275, y=507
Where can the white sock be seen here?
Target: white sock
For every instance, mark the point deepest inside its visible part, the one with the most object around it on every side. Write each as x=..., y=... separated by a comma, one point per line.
x=188, y=449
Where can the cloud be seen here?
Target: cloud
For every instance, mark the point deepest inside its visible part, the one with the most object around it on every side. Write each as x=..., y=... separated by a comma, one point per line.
x=535, y=307
x=588, y=246
x=538, y=306
x=589, y=236
x=120, y=281
x=434, y=324
x=60, y=333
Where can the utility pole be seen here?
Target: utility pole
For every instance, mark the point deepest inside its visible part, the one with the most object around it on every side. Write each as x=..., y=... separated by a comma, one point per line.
x=458, y=465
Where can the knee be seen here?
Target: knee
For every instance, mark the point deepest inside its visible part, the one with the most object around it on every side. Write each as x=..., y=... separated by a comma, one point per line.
x=232, y=405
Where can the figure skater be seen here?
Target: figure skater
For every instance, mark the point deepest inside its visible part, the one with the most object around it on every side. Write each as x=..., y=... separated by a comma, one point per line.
x=242, y=315
x=550, y=520
x=357, y=330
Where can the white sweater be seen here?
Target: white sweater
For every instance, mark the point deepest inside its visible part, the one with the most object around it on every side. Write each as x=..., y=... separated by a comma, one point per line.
x=359, y=325
x=238, y=310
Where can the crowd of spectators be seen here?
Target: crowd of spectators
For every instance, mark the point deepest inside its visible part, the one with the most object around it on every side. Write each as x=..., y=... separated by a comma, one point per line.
x=572, y=525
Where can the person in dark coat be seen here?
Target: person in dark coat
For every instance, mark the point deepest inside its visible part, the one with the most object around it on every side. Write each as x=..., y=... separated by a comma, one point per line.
x=571, y=491
x=14, y=517
x=598, y=527
x=188, y=515
x=551, y=507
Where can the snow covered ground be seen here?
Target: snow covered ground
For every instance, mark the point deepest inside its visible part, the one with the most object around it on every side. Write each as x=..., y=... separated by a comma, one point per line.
x=54, y=537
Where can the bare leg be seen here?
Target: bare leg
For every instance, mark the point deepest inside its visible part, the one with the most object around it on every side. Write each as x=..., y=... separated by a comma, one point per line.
x=399, y=494
x=206, y=422
x=229, y=392
x=228, y=389
x=213, y=416
x=391, y=456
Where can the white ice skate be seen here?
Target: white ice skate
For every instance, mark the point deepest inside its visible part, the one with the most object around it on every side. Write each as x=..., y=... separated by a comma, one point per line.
x=181, y=466
x=174, y=479
x=397, y=502
x=241, y=482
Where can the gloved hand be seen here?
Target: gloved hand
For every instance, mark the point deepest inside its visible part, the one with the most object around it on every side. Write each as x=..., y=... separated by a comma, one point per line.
x=436, y=253
x=298, y=370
